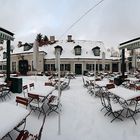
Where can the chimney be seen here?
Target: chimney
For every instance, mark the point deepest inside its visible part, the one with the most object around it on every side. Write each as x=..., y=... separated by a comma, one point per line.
x=19, y=44
x=70, y=38
x=52, y=38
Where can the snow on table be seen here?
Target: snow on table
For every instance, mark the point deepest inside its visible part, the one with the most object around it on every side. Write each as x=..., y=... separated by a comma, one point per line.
x=102, y=83
x=42, y=90
x=133, y=79
x=124, y=93
x=10, y=116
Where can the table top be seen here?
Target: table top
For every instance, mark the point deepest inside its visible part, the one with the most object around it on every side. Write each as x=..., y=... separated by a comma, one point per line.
x=10, y=116
x=124, y=93
x=45, y=90
x=102, y=83
x=133, y=79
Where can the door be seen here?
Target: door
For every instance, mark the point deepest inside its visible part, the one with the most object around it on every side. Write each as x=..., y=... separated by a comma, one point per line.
x=115, y=67
x=78, y=68
x=23, y=67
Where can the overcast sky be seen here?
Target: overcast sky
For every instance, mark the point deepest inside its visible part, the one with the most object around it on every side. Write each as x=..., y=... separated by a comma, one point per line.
x=113, y=21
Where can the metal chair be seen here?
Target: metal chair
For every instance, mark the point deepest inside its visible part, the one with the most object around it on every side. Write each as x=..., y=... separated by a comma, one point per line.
x=25, y=90
x=31, y=85
x=53, y=104
x=36, y=103
x=133, y=108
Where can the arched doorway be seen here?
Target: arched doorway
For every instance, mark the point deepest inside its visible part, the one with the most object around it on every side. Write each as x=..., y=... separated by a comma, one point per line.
x=23, y=67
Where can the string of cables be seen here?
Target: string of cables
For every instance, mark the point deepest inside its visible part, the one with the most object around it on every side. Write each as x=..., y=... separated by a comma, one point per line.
x=89, y=10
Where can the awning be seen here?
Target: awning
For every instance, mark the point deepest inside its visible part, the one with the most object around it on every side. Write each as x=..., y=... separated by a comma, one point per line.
x=131, y=44
x=6, y=35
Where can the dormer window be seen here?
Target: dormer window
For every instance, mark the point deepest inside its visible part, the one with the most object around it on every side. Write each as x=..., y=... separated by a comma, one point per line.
x=27, y=47
x=77, y=50
x=96, y=51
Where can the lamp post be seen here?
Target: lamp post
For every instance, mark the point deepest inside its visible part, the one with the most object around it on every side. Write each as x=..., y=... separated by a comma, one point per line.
x=94, y=72
x=103, y=61
x=58, y=51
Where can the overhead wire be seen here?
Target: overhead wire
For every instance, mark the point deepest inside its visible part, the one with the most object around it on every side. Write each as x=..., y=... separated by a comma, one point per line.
x=89, y=10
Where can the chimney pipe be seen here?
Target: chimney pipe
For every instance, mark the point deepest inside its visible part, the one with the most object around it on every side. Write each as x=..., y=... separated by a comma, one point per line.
x=70, y=38
x=52, y=38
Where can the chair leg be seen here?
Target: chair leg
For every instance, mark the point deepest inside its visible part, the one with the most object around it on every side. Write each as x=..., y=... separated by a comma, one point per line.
x=132, y=115
x=117, y=115
x=53, y=109
x=41, y=111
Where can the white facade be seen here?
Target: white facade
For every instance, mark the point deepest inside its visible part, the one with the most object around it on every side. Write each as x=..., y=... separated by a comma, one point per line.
x=70, y=61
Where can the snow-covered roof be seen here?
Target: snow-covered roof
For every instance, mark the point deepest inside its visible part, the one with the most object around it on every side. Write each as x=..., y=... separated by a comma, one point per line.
x=68, y=49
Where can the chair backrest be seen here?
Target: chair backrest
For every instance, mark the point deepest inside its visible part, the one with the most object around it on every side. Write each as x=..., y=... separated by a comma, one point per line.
x=22, y=100
x=132, y=86
x=33, y=96
x=97, y=79
x=31, y=85
x=8, y=83
x=23, y=135
x=51, y=98
x=110, y=86
x=137, y=87
x=48, y=83
x=25, y=87
x=137, y=99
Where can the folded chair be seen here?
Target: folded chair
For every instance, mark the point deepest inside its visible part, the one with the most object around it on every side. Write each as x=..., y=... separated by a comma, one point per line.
x=31, y=86
x=116, y=110
x=111, y=107
x=6, y=89
x=110, y=86
x=85, y=82
x=2, y=96
x=53, y=104
x=25, y=89
x=36, y=103
x=105, y=103
x=65, y=85
x=94, y=89
x=133, y=108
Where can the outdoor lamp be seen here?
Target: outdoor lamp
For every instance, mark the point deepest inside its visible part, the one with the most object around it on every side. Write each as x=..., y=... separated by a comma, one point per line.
x=103, y=60
x=58, y=51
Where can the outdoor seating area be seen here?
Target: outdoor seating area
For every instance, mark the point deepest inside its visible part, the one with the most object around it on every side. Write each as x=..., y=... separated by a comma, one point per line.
x=121, y=101
x=36, y=98
x=39, y=99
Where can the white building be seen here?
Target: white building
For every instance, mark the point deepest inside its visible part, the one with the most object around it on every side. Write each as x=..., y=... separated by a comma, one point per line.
x=77, y=56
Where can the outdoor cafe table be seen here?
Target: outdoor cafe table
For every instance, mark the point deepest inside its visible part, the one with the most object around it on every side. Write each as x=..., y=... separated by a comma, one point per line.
x=133, y=80
x=10, y=116
x=102, y=83
x=42, y=90
x=124, y=93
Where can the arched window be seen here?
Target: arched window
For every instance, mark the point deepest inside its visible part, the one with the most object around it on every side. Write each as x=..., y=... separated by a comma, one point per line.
x=96, y=51
x=77, y=50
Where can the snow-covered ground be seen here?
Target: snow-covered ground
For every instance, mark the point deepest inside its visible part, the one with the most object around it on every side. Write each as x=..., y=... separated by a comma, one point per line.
x=81, y=118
